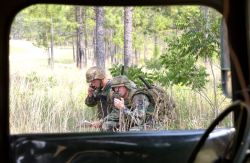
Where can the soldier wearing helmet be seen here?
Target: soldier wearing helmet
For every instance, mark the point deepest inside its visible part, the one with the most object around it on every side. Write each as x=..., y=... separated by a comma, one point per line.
x=129, y=107
x=98, y=92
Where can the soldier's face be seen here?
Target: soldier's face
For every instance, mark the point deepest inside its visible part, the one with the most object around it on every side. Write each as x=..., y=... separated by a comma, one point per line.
x=95, y=84
x=121, y=90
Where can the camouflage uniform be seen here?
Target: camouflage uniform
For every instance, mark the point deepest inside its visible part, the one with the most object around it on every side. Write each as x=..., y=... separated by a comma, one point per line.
x=137, y=112
x=101, y=97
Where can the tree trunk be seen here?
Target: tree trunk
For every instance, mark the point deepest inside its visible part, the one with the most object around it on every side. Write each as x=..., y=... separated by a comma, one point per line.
x=127, y=37
x=156, y=45
x=115, y=54
x=100, y=51
x=51, y=43
x=136, y=58
x=85, y=38
x=79, y=44
x=112, y=49
x=94, y=47
x=216, y=111
x=106, y=45
x=145, y=49
x=49, y=39
x=73, y=47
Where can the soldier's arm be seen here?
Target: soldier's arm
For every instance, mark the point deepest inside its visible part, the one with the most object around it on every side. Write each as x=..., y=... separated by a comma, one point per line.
x=90, y=101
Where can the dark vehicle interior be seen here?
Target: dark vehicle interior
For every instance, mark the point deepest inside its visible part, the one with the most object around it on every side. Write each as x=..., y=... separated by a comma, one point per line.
x=198, y=145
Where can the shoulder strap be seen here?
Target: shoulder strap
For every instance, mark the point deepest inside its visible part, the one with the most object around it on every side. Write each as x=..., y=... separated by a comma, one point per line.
x=132, y=92
x=107, y=86
x=146, y=92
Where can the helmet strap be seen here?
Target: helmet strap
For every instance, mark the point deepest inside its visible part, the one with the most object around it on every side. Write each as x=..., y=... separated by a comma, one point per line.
x=127, y=93
x=101, y=84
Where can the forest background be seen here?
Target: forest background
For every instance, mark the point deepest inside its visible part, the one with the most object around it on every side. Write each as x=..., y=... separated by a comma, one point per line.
x=51, y=46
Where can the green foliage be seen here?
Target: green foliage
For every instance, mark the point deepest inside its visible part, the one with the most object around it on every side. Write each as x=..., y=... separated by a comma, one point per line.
x=177, y=70
x=190, y=33
x=44, y=18
x=183, y=71
x=156, y=51
x=179, y=65
x=198, y=33
x=36, y=82
x=114, y=23
x=133, y=74
x=158, y=19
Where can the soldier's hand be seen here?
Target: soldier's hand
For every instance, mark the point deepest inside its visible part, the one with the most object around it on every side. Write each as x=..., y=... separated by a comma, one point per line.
x=96, y=124
x=90, y=91
x=119, y=104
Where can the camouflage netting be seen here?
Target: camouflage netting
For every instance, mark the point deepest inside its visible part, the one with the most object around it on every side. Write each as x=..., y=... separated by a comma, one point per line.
x=164, y=112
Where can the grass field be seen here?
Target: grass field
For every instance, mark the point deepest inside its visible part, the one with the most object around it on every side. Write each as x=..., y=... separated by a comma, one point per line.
x=46, y=100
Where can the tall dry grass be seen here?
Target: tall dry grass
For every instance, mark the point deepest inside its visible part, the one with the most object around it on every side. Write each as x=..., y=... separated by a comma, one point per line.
x=51, y=102
x=54, y=102
x=194, y=111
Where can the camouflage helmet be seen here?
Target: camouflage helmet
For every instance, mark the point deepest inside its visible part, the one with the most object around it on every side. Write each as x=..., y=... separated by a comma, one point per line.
x=94, y=73
x=121, y=80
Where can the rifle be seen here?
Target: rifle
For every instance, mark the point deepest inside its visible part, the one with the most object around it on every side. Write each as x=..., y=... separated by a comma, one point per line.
x=116, y=95
x=122, y=70
x=145, y=82
x=84, y=123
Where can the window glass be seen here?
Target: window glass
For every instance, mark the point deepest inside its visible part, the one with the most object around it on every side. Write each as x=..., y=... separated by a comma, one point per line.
x=175, y=49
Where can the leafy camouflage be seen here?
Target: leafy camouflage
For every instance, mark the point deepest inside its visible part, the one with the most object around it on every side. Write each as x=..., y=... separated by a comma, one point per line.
x=163, y=104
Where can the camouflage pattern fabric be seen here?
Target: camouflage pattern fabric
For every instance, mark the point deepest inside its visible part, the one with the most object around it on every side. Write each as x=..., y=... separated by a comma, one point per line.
x=164, y=106
x=111, y=121
x=139, y=116
x=133, y=117
x=123, y=80
x=163, y=111
x=94, y=73
x=101, y=98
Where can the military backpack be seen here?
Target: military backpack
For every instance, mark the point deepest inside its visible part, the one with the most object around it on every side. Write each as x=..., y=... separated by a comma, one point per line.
x=163, y=103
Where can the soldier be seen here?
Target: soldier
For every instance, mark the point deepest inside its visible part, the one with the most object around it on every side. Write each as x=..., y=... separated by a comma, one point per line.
x=98, y=93
x=130, y=109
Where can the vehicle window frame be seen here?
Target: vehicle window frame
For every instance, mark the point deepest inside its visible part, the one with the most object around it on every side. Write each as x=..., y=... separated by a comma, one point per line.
x=13, y=7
